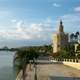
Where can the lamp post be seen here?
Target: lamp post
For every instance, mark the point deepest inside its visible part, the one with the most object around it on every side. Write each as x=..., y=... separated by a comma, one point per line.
x=76, y=57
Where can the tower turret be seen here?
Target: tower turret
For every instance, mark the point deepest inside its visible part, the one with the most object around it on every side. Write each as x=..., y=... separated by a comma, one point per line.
x=60, y=39
x=61, y=28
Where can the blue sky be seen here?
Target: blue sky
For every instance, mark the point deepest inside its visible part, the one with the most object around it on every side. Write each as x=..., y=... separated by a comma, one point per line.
x=33, y=22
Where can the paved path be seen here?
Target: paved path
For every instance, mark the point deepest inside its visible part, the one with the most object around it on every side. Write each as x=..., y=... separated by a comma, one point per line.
x=57, y=72
x=29, y=73
x=53, y=71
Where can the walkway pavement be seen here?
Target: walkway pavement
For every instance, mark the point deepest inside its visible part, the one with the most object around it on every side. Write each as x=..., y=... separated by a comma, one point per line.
x=57, y=72
x=53, y=71
x=30, y=73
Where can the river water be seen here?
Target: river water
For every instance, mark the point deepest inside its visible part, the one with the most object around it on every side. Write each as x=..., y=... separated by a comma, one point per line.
x=6, y=65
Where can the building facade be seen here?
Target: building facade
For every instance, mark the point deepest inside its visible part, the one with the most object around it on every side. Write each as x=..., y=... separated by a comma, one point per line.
x=60, y=39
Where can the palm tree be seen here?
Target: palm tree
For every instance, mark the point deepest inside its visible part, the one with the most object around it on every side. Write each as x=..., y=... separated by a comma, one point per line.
x=72, y=37
x=77, y=33
x=33, y=55
x=25, y=56
x=76, y=37
x=23, y=60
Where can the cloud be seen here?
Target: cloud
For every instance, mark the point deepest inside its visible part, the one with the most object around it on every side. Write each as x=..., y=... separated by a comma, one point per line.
x=13, y=20
x=32, y=31
x=77, y=9
x=56, y=5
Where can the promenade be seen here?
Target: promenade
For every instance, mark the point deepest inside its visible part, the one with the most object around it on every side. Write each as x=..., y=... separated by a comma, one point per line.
x=53, y=71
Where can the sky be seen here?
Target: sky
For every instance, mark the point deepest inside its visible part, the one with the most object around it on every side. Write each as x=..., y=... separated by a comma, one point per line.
x=33, y=22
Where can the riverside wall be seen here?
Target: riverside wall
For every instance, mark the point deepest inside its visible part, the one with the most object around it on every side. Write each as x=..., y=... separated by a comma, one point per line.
x=72, y=64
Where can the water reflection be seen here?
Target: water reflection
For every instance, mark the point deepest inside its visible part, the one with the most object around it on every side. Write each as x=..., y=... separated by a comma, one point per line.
x=8, y=70
x=6, y=73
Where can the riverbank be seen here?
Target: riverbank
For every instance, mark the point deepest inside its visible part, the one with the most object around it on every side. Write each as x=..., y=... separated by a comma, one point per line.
x=55, y=71
x=29, y=73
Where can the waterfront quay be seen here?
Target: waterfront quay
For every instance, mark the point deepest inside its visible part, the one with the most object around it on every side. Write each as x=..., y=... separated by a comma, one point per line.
x=47, y=70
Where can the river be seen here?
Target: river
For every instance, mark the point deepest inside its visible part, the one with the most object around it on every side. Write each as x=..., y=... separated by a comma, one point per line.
x=6, y=65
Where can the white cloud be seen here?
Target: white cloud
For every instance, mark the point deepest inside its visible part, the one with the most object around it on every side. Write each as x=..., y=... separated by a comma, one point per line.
x=77, y=9
x=36, y=27
x=35, y=31
x=13, y=20
x=56, y=5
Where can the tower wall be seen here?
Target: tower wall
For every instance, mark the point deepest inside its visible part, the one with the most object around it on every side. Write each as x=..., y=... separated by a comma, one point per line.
x=60, y=39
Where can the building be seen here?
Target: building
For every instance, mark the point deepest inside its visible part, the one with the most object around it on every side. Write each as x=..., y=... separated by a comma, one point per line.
x=60, y=39
x=77, y=48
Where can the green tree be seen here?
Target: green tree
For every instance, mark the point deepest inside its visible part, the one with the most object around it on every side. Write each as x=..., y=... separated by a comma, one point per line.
x=25, y=56
x=72, y=37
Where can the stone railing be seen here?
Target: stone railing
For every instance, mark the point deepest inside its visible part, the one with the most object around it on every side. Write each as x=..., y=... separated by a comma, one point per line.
x=67, y=60
x=74, y=63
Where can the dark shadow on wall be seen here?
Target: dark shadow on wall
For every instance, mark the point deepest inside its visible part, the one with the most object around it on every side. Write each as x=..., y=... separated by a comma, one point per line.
x=63, y=78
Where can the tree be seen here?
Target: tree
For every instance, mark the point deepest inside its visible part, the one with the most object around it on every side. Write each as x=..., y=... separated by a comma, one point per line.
x=77, y=33
x=25, y=56
x=78, y=51
x=67, y=51
x=23, y=60
x=75, y=36
x=72, y=36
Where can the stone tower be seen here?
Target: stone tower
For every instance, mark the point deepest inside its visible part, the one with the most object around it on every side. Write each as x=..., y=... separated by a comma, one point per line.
x=60, y=38
x=61, y=27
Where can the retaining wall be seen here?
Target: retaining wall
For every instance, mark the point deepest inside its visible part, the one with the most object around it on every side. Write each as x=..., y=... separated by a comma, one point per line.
x=72, y=64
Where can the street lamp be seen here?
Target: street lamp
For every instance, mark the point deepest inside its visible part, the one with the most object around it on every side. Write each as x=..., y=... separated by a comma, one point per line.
x=76, y=57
